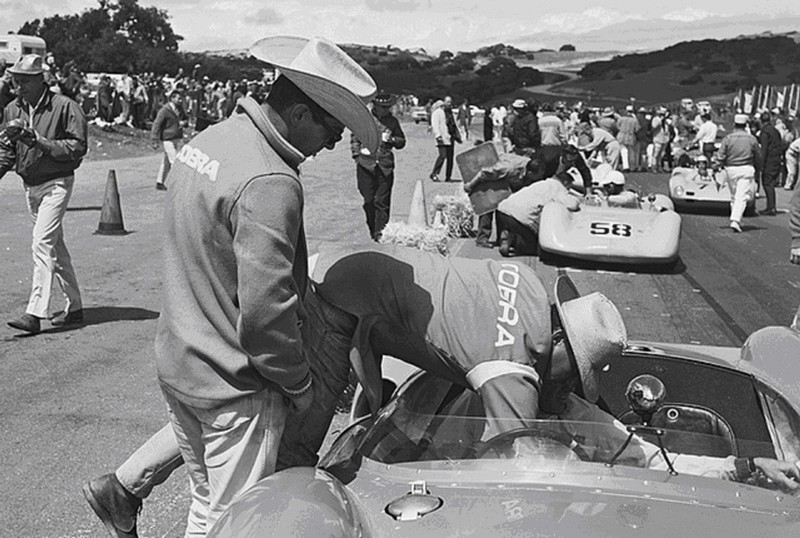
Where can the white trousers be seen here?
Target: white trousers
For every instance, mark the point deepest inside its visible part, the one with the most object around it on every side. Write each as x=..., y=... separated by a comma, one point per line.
x=47, y=204
x=170, y=152
x=791, y=168
x=742, y=184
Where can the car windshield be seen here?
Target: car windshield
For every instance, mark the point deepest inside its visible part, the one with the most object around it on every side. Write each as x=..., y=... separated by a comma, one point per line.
x=438, y=423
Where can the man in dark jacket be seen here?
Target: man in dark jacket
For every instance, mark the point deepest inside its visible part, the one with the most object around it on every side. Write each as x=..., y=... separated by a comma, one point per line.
x=375, y=172
x=771, y=159
x=44, y=140
x=168, y=131
x=524, y=133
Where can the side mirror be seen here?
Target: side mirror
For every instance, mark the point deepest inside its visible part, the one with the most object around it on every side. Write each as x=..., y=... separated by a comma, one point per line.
x=645, y=395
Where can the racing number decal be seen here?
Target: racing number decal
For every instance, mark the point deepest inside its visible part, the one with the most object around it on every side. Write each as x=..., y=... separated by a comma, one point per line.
x=618, y=229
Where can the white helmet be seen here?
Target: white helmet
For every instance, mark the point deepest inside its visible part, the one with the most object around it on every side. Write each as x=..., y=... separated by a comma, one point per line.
x=615, y=176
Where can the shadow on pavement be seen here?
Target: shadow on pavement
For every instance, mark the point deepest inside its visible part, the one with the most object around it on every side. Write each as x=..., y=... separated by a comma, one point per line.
x=86, y=208
x=97, y=316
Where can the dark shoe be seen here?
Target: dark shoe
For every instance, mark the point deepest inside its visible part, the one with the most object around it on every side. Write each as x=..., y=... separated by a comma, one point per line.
x=27, y=323
x=506, y=244
x=114, y=505
x=63, y=319
x=769, y=212
x=485, y=243
x=448, y=179
x=434, y=177
x=161, y=187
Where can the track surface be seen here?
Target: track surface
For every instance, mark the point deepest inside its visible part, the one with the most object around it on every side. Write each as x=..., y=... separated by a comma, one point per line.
x=75, y=403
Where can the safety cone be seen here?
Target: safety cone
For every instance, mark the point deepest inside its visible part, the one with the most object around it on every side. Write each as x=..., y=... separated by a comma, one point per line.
x=418, y=213
x=111, y=214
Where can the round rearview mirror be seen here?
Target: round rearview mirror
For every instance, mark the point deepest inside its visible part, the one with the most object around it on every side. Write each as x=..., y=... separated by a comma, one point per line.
x=645, y=394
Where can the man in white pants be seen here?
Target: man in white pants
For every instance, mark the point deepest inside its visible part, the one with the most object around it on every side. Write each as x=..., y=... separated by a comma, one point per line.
x=739, y=155
x=44, y=141
x=792, y=155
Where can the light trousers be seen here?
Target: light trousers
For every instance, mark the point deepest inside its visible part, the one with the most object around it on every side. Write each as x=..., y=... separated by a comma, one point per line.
x=226, y=449
x=170, y=152
x=791, y=169
x=742, y=184
x=47, y=204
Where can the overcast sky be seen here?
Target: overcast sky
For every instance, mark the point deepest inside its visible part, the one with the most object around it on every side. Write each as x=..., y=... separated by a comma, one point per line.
x=432, y=24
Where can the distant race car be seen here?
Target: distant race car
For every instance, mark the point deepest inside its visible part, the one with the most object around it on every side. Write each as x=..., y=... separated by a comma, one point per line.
x=423, y=466
x=418, y=114
x=689, y=190
x=646, y=234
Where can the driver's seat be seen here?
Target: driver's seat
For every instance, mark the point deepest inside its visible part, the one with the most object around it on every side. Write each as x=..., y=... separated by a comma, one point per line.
x=690, y=429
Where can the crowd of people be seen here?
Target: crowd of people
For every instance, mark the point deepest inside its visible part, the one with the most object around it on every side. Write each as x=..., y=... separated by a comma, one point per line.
x=255, y=339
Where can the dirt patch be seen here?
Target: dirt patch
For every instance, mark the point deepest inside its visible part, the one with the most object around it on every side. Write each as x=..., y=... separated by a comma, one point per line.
x=118, y=142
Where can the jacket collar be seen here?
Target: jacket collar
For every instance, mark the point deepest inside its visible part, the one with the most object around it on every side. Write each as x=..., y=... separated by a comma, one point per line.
x=288, y=153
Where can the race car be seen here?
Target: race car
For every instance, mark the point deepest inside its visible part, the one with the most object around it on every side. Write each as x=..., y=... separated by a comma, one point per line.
x=419, y=113
x=648, y=233
x=422, y=467
x=689, y=190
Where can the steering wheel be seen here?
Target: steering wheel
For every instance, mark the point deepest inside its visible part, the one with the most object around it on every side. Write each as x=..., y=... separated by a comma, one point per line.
x=504, y=440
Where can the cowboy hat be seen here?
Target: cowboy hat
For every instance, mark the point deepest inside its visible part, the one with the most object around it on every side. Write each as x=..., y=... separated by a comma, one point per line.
x=30, y=64
x=328, y=76
x=608, y=111
x=519, y=103
x=594, y=331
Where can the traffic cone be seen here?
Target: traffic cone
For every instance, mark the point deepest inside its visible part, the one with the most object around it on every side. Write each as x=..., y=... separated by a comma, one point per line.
x=111, y=214
x=418, y=213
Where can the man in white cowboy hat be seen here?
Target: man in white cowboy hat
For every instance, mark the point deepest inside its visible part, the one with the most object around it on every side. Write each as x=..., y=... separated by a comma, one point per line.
x=739, y=154
x=44, y=139
x=375, y=171
x=229, y=347
x=593, y=336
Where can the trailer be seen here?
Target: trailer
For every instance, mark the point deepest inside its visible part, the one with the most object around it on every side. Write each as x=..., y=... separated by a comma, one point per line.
x=12, y=46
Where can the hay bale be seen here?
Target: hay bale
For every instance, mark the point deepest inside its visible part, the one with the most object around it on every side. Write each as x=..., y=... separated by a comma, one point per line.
x=427, y=239
x=457, y=216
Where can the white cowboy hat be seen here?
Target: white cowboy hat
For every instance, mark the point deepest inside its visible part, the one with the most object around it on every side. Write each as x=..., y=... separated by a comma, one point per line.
x=330, y=77
x=594, y=331
x=30, y=64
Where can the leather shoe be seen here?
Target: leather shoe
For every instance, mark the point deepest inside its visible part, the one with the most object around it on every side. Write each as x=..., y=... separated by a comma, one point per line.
x=161, y=187
x=769, y=212
x=63, y=319
x=27, y=322
x=735, y=226
x=114, y=505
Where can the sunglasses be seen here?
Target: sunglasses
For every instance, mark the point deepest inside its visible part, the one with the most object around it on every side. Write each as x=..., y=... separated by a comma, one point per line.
x=332, y=126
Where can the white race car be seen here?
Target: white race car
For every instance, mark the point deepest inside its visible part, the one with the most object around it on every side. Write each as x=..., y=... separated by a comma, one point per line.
x=648, y=233
x=689, y=190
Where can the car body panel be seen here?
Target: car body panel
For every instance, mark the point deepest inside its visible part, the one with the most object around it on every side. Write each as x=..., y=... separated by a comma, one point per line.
x=610, y=234
x=688, y=190
x=419, y=113
x=531, y=496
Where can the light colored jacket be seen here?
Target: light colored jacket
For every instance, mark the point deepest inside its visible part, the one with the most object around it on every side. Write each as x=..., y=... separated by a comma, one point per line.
x=439, y=124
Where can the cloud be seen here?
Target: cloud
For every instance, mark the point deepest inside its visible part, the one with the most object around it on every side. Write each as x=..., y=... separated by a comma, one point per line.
x=687, y=15
x=265, y=15
x=393, y=5
x=584, y=21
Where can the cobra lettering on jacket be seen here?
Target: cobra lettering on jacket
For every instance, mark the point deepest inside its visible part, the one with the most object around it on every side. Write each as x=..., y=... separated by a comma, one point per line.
x=507, y=283
x=199, y=161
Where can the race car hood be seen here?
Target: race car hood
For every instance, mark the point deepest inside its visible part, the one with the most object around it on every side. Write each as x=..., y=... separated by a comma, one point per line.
x=685, y=186
x=610, y=234
x=491, y=498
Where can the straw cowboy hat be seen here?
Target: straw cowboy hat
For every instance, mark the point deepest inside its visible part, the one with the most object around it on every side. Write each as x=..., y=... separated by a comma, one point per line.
x=519, y=103
x=594, y=330
x=330, y=77
x=30, y=64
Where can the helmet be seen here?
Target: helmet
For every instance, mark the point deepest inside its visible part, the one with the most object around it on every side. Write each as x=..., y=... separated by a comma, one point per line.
x=614, y=177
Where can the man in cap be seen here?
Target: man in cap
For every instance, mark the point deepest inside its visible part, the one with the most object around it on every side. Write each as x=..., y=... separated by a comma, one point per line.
x=524, y=133
x=44, y=139
x=375, y=172
x=446, y=135
x=739, y=155
x=229, y=348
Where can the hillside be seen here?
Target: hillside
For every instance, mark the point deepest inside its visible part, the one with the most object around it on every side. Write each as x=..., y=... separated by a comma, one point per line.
x=692, y=69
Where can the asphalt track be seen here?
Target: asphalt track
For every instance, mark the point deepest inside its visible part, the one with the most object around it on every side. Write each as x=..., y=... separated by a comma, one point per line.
x=74, y=403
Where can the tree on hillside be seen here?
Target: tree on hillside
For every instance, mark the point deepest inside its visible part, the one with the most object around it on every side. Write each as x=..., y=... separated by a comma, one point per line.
x=567, y=47
x=115, y=36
